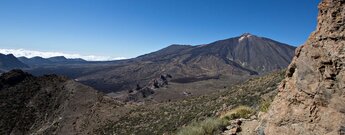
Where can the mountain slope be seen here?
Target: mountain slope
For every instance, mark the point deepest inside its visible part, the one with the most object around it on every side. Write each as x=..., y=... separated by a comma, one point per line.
x=254, y=53
x=8, y=62
x=49, y=105
x=165, y=53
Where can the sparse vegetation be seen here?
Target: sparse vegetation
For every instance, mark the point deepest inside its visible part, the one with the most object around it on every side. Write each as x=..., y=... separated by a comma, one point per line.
x=239, y=112
x=208, y=126
x=265, y=104
x=191, y=130
x=169, y=117
x=212, y=126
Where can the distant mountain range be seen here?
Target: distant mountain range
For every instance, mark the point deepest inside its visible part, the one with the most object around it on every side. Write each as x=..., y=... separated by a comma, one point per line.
x=39, y=61
x=8, y=62
x=233, y=58
x=34, y=60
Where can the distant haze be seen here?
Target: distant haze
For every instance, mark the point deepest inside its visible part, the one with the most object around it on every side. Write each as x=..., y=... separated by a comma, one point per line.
x=32, y=53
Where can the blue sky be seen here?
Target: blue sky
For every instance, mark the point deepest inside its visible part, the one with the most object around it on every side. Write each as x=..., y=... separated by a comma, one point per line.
x=128, y=28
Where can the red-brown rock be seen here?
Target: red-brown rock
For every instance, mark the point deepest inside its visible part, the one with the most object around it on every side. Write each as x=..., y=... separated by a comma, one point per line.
x=311, y=100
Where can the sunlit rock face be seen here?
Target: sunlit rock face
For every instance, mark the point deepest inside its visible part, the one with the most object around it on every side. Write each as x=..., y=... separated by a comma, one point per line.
x=311, y=99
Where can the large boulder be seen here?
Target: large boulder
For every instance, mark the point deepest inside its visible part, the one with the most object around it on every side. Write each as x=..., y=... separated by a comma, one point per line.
x=311, y=99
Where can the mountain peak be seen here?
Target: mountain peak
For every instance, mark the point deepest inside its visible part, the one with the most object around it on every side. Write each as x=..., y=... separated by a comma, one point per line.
x=10, y=55
x=245, y=35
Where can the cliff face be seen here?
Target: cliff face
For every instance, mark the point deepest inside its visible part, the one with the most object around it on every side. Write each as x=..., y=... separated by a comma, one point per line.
x=311, y=99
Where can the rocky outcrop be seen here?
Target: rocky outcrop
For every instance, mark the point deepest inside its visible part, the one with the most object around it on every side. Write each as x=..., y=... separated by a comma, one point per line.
x=311, y=100
x=140, y=93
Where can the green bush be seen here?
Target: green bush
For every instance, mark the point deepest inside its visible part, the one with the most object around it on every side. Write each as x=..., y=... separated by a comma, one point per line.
x=239, y=112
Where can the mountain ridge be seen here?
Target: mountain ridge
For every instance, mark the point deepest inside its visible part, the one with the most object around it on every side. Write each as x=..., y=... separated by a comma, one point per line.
x=50, y=104
x=38, y=61
x=9, y=61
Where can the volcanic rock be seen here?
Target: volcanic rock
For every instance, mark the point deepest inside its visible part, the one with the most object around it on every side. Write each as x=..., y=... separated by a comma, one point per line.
x=311, y=100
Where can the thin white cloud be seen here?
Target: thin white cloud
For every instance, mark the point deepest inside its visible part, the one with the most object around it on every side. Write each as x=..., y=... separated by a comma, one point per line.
x=31, y=53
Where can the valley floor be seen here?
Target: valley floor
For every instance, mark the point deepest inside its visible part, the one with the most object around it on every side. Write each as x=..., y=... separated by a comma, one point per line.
x=169, y=117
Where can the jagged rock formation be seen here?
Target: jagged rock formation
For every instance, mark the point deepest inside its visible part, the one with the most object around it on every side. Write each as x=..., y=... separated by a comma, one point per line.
x=311, y=100
x=140, y=93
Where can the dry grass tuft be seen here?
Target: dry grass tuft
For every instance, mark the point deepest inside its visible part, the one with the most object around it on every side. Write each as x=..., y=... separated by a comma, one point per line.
x=239, y=112
x=209, y=126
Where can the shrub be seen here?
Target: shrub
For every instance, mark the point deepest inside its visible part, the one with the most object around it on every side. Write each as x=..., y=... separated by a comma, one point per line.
x=239, y=112
x=212, y=125
x=191, y=130
x=264, y=105
x=208, y=126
